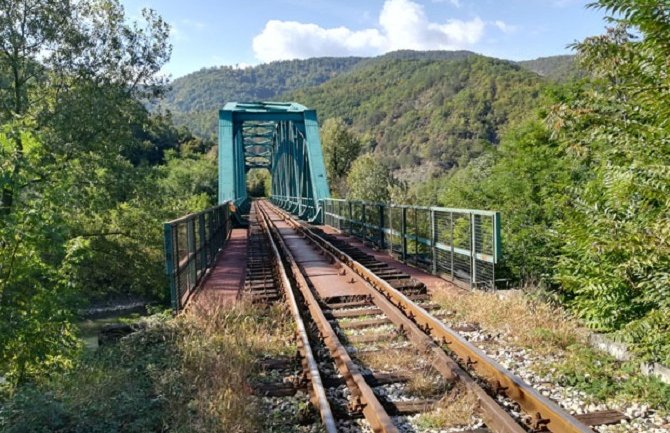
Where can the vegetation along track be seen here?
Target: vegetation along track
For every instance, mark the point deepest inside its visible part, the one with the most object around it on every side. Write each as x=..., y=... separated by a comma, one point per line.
x=377, y=352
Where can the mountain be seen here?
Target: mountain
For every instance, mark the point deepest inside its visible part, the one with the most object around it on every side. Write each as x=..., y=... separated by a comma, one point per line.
x=416, y=106
x=194, y=99
x=442, y=112
x=556, y=68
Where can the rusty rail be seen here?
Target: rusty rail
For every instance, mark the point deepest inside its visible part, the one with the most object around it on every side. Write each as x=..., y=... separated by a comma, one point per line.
x=544, y=413
x=372, y=409
x=311, y=367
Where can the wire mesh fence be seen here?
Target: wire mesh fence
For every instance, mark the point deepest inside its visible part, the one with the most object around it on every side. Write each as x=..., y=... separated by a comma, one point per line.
x=460, y=244
x=192, y=243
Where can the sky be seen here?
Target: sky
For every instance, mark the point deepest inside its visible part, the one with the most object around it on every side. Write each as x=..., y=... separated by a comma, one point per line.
x=209, y=33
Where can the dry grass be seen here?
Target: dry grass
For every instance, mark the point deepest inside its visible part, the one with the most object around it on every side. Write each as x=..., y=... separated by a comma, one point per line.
x=528, y=321
x=388, y=359
x=426, y=383
x=458, y=408
x=217, y=350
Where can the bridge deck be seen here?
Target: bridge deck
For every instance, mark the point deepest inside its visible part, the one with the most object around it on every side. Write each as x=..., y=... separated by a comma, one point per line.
x=432, y=282
x=228, y=274
x=328, y=282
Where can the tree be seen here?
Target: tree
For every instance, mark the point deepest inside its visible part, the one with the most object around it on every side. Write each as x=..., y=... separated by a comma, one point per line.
x=59, y=54
x=369, y=180
x=614, y=263
x=71, y=74
x=259, y=182
x=340, y=148
x=525, y=179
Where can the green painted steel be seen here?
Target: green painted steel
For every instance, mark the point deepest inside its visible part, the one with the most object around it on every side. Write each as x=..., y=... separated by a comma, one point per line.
x=282, y=137
x=463, y=245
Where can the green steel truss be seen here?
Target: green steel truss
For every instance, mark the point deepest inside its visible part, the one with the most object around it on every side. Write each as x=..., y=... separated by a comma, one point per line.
x=282, y=137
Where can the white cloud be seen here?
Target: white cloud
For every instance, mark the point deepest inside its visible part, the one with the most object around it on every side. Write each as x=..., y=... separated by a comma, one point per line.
x=402, y=25
x=504, y=27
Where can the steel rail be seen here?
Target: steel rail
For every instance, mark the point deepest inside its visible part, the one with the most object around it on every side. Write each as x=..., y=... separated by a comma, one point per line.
x=493, y=414
x=361, y=392
x=312, y=367
x=544, y=412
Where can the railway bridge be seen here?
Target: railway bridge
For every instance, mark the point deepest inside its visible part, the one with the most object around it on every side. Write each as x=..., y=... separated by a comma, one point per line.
x=461, y=245
x=343, y=266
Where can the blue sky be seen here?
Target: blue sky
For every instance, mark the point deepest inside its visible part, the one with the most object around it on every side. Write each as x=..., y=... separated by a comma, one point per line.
x=212, y=33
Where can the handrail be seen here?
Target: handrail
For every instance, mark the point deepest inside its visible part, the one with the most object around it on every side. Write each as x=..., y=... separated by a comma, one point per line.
x=192, y=243
x=408, y=206
x=461, y=244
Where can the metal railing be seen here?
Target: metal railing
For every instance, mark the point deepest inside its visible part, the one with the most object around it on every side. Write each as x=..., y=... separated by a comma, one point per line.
x=460, y=244
x=192, y=243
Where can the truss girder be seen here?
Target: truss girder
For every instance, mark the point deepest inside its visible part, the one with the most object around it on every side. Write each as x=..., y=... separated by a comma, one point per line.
x=280, y=137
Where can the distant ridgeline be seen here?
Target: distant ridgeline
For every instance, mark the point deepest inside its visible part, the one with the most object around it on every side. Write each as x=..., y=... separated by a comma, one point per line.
x=442, y=107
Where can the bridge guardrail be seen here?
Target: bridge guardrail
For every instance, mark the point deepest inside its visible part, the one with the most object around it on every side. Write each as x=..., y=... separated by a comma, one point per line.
x=463, y=245
x=192, y=244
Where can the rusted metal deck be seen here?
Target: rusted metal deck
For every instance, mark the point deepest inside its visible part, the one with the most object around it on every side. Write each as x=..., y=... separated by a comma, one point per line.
x=433, y=283
x=224, y=282
x=328, y=281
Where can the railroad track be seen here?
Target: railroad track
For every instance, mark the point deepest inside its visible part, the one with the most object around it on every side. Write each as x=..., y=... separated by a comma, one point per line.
x=376, y=351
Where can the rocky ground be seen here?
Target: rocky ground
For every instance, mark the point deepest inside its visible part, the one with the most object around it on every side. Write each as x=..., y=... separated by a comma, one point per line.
x=538, y=369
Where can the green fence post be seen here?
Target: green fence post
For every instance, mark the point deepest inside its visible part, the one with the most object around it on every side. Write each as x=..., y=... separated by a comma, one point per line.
x=473, y=251
x=451, y=242
x=433, y=239
x=203, y=242
x=403, y=233
x=381, y=227
x=192, y=271
x=497, y=238
x=416, y=237
x=364, y=226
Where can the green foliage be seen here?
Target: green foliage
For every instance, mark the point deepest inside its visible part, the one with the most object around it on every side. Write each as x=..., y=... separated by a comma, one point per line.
x=83, y=196
x=441, y=112
x=196, y=98
x=557, y=68
x=604, y=378
x=369, y=180
x=113, y=389
x=259, y=183
x=614, y=262
x=525, y=179
x=584, y=192
x=649, y=337
x=378, y=99
x=170, y=375
x=340, y=147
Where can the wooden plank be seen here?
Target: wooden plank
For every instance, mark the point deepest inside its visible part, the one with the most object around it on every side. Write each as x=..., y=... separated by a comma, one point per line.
x=373, y=337
x=359, y=312
x=369, y=323
x=277, y=389
x=602, y=417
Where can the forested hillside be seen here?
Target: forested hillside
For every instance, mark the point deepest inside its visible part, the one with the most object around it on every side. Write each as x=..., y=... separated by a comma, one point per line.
x=195, y=99
x=416, y=111
x=557, y=68
x=583, y=183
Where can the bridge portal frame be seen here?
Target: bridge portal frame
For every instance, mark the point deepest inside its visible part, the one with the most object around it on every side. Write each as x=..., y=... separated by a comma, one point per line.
x=282, y=137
